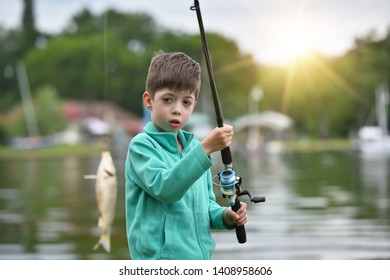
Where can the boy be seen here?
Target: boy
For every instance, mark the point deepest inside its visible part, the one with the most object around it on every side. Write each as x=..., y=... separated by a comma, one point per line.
x=170, y=204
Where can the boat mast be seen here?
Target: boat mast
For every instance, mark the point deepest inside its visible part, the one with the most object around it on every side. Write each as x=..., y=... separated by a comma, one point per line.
x=382, y=102
x=28, y=105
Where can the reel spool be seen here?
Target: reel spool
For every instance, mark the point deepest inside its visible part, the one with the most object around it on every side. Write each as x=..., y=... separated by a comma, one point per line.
x=230, y=185
x=228, y=181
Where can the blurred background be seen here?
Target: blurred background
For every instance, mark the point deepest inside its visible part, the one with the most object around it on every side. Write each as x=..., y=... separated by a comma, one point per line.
x=305, y=85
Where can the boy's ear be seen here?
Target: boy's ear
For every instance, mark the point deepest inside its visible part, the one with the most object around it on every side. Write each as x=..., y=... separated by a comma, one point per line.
x=147, y=100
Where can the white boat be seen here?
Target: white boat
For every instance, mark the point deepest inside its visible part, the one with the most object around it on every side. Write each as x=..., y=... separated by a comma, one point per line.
x=375, y=140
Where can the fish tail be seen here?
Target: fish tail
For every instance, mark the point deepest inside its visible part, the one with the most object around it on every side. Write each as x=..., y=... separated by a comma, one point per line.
x=104, y=241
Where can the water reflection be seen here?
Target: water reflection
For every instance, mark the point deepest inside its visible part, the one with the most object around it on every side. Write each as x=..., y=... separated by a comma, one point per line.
x=48, y=211
x=319, y=206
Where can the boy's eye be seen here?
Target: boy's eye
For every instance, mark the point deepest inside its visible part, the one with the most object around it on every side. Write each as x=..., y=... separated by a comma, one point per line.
x=187, y=102
x=168, y=100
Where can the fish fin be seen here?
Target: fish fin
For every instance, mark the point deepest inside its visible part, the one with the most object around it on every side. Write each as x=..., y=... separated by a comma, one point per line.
x=90, y=177
x=104, y=241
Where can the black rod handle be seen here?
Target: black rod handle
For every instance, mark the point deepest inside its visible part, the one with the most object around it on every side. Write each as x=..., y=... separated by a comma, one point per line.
x=226, y=156
x=240, y=230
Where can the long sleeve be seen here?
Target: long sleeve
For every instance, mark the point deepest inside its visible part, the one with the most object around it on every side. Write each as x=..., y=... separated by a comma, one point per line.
x=166, y=181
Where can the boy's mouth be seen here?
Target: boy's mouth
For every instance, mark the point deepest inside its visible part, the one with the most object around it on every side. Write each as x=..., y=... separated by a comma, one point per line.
x=174, y=123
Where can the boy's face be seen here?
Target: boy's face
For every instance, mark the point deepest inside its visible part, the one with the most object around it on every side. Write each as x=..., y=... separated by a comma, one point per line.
x=170, y=110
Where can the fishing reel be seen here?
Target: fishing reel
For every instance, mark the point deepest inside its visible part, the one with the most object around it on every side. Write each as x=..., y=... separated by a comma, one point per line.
x=231, y=187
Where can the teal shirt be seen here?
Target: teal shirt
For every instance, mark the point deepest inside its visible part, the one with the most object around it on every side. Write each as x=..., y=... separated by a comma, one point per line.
x=170, y=203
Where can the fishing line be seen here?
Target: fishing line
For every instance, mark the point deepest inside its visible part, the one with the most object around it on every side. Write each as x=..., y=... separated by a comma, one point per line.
x=105, y=57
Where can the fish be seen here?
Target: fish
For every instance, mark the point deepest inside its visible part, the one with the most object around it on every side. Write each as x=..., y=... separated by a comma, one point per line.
x=106, y=193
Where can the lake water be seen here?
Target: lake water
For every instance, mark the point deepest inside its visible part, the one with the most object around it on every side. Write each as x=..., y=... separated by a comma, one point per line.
x=329, y=205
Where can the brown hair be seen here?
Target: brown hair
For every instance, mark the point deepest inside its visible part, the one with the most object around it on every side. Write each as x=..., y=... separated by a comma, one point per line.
x=176, y=71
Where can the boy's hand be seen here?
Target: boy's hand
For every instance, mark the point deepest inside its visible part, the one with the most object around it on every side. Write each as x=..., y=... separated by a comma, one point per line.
x=232, y=218
x=218, y=139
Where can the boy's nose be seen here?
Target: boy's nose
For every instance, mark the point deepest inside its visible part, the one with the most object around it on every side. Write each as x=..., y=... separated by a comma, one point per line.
x=176, y=110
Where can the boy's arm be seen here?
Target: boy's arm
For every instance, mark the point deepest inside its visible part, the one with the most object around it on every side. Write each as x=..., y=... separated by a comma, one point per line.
x=167, y=184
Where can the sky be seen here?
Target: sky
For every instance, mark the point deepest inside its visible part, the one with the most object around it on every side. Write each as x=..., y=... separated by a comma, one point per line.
x=273, y=31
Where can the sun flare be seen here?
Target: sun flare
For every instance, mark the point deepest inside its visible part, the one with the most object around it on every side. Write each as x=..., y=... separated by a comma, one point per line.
x=294, y=37
x=296, y=44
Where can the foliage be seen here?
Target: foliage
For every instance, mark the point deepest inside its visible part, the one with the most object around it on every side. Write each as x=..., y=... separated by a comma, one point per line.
x=29, y=32
x=329, y=97
x=49, y=111
x=3, y=133
x=106, y=57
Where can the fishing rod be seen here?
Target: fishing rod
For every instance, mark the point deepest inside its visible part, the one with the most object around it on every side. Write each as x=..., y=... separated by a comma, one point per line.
x=230, y=183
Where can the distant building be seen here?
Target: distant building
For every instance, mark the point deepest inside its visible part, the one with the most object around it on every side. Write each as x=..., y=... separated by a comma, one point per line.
x=100, y=117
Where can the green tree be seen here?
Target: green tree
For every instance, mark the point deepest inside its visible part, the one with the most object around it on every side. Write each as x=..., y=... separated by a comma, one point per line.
x=50, y=116
x=99, y=59
x=9, y=93
x=106, y=57
x=328, y=97
x=29, y=31
x=14, y=44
